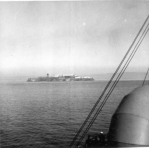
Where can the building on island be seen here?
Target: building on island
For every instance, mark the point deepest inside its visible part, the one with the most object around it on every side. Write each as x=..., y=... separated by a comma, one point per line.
x=67, y=77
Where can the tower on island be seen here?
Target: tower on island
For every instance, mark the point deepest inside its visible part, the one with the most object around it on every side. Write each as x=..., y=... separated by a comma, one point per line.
x=47, y=77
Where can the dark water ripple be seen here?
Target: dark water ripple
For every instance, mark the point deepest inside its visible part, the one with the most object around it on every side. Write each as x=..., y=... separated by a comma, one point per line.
x=43, y=115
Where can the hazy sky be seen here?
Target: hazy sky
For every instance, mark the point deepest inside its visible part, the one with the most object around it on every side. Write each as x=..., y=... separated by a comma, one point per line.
x=87, y=37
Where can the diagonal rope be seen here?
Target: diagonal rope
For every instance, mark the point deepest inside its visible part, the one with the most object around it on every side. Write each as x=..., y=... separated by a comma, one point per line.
x=145, y=77
x=115, y=83
x=107, y=85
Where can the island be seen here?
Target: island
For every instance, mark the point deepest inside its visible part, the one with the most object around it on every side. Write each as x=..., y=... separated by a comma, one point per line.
x=71, y=77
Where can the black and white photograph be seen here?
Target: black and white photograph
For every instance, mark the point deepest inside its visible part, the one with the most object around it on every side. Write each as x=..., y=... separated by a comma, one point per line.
x=74, y=74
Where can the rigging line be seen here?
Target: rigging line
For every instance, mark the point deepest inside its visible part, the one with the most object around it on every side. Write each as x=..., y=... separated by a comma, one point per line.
x=94, y=118
x=117, y=69
x=108, y=84
x=98, y=111
x=145, y=77
x=115, y=83
x=127, y=62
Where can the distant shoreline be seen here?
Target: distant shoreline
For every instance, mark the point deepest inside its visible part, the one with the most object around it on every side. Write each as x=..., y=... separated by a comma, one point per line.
x=128, y=76
x=24, y=81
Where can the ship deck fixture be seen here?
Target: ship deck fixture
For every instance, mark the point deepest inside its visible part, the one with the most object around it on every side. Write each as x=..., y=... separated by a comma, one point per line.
x=130, y=123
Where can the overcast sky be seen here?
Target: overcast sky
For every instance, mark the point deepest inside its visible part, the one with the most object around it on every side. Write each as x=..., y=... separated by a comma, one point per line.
x=87, y=37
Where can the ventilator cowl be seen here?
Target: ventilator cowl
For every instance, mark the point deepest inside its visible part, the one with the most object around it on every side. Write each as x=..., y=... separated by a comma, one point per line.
x=130, y=122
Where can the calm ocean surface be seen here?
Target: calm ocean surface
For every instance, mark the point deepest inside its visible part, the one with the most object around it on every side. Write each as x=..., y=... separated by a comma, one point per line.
x=48, y=115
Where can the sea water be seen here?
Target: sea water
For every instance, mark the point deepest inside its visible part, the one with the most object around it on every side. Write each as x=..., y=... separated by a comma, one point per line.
x=48, y=115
